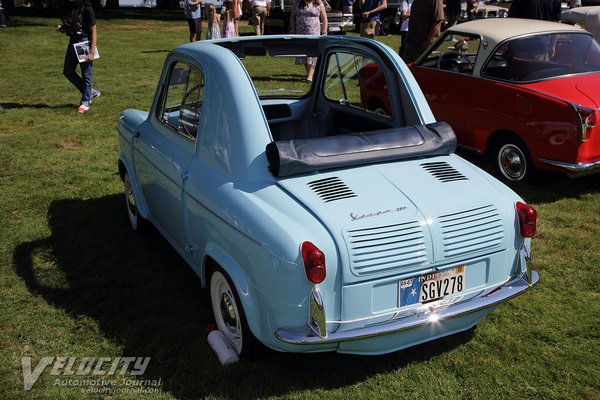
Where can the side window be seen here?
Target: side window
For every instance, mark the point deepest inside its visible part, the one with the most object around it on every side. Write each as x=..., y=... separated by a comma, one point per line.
x=357, y=81
x=456, y=53
x=182, y=100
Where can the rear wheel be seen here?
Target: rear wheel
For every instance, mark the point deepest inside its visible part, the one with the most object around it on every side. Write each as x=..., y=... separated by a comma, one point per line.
x=512, y=160
x=229, y=315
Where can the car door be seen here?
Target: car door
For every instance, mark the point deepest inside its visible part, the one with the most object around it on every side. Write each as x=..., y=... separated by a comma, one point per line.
x=164, y=149
x=446, y=77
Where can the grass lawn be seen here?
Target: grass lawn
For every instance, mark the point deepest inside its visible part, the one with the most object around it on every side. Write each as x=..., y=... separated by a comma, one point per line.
x=76, y=282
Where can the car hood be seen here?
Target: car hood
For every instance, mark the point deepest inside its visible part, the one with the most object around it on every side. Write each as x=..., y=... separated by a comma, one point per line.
x=581, y=89
x=404, y=217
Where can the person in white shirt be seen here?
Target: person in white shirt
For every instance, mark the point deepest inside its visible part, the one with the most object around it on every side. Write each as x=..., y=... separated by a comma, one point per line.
x=258, y=14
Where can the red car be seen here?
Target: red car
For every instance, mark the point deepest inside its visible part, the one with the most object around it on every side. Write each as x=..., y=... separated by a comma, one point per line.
x=524, y=92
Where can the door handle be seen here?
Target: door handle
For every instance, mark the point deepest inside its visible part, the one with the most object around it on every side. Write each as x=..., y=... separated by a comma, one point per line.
x=137, y=135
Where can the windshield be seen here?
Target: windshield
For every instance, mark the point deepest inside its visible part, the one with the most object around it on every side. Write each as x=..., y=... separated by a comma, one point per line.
x=277, y=69
x=544, y=56
x=277, y=76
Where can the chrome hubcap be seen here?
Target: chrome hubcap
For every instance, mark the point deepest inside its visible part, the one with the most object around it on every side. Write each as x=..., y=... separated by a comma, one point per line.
x=228, y=311
x=131, y=205
x=512, y=162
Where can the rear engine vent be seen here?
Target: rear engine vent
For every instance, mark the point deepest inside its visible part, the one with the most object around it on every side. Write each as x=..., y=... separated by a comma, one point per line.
x=444, y=172
x=476, y=229
x=384, y=248
x=331, y=189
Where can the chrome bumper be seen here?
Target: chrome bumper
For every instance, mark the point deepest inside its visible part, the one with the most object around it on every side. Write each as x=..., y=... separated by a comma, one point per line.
x=334, y=28
x=423, y=316
x=571, y=167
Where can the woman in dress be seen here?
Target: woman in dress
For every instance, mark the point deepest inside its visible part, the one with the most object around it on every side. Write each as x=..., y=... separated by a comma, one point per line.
x=309, y=17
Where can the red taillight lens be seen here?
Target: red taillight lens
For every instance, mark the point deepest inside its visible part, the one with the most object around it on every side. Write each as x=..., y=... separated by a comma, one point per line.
x=527, y=219
x=314, y=262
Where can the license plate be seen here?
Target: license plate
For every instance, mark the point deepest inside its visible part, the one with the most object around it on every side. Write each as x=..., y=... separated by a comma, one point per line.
x=433, y=286
x=334, y=28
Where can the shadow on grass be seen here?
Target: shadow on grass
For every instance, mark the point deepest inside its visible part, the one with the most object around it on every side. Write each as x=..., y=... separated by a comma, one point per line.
x=146, y=299
x=9, y=106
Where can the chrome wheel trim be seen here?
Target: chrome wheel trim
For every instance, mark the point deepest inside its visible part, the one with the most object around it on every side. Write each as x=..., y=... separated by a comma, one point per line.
x=226, y=311
x=132, y=211
x=512, y=162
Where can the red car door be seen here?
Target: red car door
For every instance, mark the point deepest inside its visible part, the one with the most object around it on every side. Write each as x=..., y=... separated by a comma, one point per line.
x=450, y=98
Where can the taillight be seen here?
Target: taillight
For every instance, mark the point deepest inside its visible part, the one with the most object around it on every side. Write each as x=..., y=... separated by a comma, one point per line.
x=527, y=219
x=314, y=262
x=588, y=121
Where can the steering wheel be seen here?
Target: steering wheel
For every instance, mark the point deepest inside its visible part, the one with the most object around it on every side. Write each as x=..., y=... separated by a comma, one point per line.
x=451, y=61
x=185, y=110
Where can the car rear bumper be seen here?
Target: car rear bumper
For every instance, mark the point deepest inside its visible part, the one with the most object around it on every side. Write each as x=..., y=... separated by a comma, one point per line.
x=423, y=316
x=577, y=168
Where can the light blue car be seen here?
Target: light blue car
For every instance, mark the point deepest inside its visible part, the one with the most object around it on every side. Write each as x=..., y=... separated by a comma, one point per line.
x=319, y=218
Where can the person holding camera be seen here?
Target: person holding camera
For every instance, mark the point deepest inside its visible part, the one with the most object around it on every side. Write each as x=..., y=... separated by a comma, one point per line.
x=369, y=24
x=79, y=24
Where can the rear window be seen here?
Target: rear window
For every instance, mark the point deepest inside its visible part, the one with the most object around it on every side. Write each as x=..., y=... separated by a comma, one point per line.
x=544, y=56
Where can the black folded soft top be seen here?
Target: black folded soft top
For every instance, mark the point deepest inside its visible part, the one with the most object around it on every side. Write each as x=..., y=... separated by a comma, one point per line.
x=300, y=156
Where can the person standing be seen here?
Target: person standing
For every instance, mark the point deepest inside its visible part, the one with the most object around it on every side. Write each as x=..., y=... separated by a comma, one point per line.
x=545, y=10
x=424, y=25
x=452, y=11
x=193, y=14
x=229, y=21
x=404, y=12
x=370, y=16
x=237, y=7
x=212, y=30
x=258, y=14
x=80, y=25
x=308, y=17
x=472, y=9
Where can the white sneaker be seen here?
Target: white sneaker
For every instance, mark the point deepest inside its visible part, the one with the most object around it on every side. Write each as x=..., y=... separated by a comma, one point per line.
x=83, y=108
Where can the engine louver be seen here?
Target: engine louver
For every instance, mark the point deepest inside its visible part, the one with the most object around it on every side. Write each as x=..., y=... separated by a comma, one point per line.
x=384, y=248
x=331, y=189
x=444, y=172
x=471, y=230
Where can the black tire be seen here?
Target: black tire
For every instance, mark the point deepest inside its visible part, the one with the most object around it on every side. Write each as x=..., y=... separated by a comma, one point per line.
x=512, y=161
x=386, y=26
x=229, y=314
x=136, y=221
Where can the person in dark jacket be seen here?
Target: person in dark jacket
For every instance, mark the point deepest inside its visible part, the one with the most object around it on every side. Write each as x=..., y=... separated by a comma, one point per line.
x=79, y=23
x=546, y=10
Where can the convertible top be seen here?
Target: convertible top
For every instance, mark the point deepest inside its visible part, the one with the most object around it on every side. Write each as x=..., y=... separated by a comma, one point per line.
x=300, y=156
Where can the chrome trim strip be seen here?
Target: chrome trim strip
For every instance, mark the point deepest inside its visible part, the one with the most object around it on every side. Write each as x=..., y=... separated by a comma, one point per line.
x=316, y=319
x=572, y=166
x=425, y=316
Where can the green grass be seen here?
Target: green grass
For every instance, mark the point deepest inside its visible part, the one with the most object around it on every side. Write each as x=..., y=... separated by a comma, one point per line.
x=75, y=281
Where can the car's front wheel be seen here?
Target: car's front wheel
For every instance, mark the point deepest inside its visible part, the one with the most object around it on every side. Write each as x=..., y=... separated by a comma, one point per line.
x=136, y=221
x=229, y=315
x=512, y=160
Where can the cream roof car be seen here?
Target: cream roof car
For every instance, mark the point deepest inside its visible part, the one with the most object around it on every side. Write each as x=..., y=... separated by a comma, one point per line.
x=498, y=29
